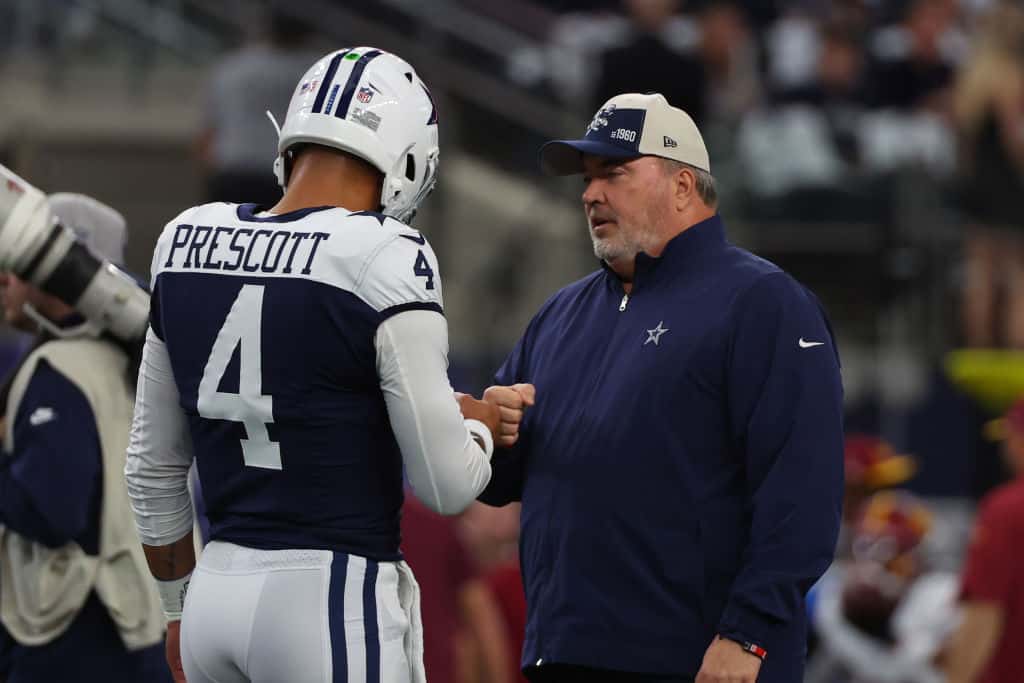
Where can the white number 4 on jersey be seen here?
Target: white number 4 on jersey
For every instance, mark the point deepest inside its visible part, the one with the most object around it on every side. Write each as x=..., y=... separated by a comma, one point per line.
x=249, y=406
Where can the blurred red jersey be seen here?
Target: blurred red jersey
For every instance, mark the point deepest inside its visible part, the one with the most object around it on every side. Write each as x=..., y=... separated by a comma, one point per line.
x=506, y=585
x=442, y=567
x=995, y=563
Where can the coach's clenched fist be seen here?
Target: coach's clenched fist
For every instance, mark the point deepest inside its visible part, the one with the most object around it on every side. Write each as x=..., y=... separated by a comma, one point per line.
x=727, y=662
x=512, y=401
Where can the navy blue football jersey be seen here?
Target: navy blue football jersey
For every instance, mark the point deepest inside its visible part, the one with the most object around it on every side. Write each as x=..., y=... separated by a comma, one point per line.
x=269, y=323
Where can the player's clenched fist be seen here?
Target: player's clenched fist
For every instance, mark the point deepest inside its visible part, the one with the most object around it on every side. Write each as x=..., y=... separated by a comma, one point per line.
x=484, y=411
x=512, y=402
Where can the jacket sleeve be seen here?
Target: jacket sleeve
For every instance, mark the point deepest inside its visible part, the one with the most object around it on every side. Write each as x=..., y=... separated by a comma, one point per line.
x=508, y=464
x=50, y=486
x=785, y=404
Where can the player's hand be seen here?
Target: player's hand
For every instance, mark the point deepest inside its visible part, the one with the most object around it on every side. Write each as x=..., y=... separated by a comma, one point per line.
x=173, y=651
x=726, y=662
x=474, y=409
x=512, y=402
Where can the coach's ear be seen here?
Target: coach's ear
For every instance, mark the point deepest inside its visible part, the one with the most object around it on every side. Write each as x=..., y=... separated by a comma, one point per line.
x=684, y=181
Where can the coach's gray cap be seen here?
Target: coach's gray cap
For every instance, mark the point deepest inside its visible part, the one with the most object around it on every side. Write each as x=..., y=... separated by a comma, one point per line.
x=630, y=126
x=98, y=225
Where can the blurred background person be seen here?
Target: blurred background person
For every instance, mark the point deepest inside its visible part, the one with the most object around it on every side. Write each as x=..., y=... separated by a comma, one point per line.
x=75, y=595
x=649, y=63
x=729, y=55
x=890, y=614
x=870, y=465
x=986, y=646
x=437, y=554
x=494, y=602
x=704, y=63
x=238, y=143
x=912, y=66
x=474, y=612
x=989, y=114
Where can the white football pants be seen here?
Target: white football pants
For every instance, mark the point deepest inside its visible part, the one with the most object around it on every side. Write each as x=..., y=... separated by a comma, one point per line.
x=301, y=616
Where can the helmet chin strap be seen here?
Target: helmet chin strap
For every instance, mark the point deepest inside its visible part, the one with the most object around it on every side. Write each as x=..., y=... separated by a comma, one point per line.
x=85, y=329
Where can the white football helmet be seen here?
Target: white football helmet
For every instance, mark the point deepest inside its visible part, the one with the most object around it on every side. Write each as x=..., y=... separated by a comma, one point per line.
x=371, y=104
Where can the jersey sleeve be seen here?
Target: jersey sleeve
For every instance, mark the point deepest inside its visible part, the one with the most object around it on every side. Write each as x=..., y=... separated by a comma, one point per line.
x=402, y=274
x=159, y=452
x=446, y=467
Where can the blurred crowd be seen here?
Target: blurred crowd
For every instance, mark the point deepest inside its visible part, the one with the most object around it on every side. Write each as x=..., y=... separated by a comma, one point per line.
x=813, y=108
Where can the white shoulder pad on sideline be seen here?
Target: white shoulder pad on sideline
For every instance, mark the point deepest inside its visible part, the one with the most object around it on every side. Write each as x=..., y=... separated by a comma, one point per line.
x=377, y=258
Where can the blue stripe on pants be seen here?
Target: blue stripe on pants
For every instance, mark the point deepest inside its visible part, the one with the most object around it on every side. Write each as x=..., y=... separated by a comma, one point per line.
x=336, y=617
x=370, y=623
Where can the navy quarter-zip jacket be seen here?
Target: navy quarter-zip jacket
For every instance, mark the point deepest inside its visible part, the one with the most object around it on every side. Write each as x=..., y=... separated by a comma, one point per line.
x=681, y=473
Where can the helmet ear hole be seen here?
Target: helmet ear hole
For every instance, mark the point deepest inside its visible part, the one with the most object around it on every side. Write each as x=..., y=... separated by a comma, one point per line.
x=410, y=167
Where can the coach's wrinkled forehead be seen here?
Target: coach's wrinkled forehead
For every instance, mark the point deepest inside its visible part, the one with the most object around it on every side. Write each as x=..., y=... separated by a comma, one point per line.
x=626, y=127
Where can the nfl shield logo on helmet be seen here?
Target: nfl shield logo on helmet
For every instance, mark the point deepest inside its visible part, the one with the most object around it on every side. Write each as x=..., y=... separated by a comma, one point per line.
x=308, y=86
x=364, y=95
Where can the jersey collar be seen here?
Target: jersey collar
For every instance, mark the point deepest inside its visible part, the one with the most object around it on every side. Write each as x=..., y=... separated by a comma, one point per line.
x=247, y=212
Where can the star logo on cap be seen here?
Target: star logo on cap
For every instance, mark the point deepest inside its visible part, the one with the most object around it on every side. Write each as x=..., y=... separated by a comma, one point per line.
x=600, y=119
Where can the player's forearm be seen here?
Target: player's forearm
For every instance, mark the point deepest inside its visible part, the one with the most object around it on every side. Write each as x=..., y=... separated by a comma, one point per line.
x=171, y=561
x=973, y=643
x=171, y=566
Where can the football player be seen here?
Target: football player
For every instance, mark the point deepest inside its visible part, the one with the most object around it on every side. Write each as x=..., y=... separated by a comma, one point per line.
x=299, y=355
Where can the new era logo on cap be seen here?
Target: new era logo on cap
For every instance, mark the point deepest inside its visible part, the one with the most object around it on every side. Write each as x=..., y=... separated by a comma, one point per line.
x=630, y=126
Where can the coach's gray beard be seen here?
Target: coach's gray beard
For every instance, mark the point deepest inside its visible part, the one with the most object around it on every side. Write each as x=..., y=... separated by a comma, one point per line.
x=617, y=247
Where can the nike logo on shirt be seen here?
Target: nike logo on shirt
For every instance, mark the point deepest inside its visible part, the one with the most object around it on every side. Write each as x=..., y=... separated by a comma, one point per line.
x=808, y=344
x=42, y=415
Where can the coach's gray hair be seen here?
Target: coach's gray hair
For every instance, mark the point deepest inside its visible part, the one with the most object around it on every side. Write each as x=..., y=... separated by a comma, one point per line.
x=705, y=181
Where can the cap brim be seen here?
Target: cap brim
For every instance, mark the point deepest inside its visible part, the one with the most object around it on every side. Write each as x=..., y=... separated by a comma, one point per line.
x=565, y=157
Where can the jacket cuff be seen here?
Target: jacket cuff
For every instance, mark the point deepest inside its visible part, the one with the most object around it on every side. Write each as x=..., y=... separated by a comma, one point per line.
x=747, y=625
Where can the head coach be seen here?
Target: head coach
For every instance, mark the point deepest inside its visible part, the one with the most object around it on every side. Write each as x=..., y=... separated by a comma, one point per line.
x=681, y=463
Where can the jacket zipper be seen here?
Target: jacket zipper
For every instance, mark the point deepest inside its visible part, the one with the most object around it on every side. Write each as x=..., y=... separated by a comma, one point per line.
x=624, y=302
